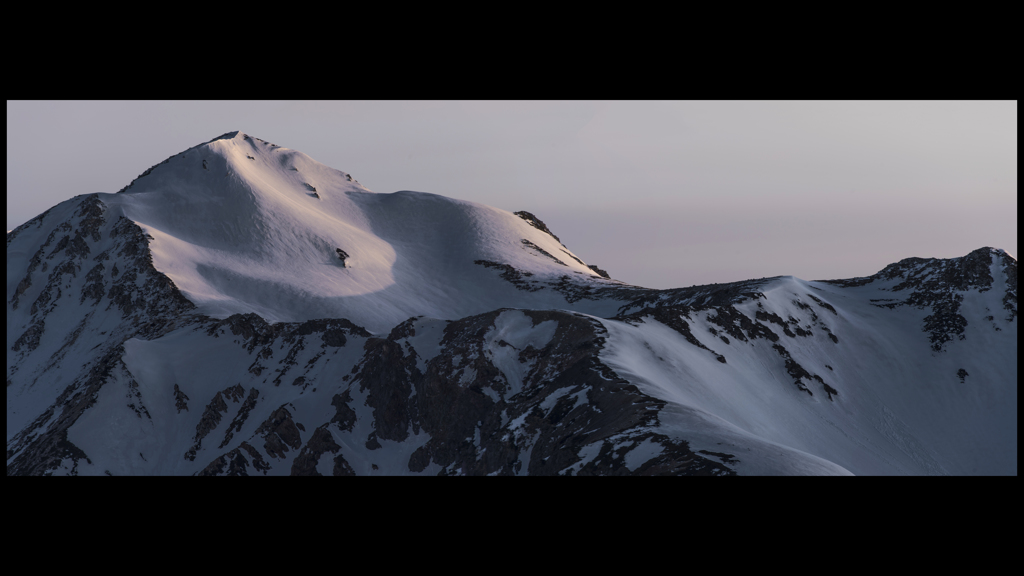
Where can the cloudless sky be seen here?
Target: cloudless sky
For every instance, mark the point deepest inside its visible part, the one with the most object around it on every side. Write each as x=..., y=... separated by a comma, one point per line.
x=660, y=193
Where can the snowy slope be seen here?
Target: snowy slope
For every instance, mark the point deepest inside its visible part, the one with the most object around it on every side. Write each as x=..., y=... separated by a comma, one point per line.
x=203, y=321
x=241, y=225
x=897, y=406
x=78, y=284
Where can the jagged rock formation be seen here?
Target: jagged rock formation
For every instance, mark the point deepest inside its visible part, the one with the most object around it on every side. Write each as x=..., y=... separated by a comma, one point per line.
x=940, y=285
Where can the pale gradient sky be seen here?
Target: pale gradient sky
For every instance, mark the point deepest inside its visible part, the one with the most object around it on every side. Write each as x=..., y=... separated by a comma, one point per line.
x=661, y=194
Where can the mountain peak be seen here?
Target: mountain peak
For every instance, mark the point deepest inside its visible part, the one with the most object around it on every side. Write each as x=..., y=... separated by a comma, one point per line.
x=236, y=137
x=242, y=225
x=1000, y=252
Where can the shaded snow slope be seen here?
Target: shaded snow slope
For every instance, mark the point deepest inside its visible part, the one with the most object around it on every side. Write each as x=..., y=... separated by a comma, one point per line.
x=241, y=225
x=79, y=282
x=853, y=383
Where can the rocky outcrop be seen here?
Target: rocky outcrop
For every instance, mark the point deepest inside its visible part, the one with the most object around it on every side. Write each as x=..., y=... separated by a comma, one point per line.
x=241, y=416
x=235, y=463
x=536, y=223
x=542, y=251
x=180, y=399
x=939, y=284
x=567, y=415
x=320, y=443
x=280, y=433
x=212, y=416
x=518, y=278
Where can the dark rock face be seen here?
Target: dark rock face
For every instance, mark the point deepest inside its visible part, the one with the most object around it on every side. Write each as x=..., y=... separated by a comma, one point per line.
x=698, y=297
x=518, y=278
x=672, y=316
x=1009, y=267
x=321, y=442
x=345, y=416
x=387, y=374
x=799, y=373
x=775, y=319
x=30, y=339
x=536, y=223
x=600, y=272
x=529, y=244
x=572, y=290
x=240, y=418
x=212, y=416
x=479, y=422
x=234, y=463
x=570, y=414
x=939, y=285
x=180, y=399
x=566, y=252
x=280, y=433
x=824, y=305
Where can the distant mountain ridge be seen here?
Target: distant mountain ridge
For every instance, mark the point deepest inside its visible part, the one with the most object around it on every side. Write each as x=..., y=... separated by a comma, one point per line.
x=241, y=309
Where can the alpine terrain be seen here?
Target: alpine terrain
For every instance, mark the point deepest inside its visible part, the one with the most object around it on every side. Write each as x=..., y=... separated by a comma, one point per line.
x=240, y=309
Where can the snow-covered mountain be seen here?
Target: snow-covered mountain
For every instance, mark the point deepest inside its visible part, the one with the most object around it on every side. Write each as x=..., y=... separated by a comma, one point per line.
x=242, y=309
